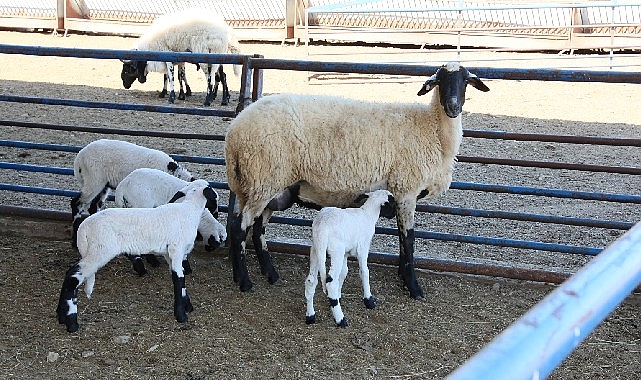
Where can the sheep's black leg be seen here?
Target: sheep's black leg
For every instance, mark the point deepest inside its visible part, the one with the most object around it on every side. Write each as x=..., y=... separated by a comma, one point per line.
x=170, y=74
x=406, y=264
x=163, y=93
x=209, y=97
x=260, y=245
x=182, y=303
x=238, y=255
x=186, y=267
x=223, y=80
x=181, y=79
x=216, y=81
x=67, y=310
x=152, y=260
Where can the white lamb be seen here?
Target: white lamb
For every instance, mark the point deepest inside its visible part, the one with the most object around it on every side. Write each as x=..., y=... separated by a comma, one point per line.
x=325, y=151
x=191, y=30
x=169, y=229
x=148, y=188
x=339, y=233
x=102, y=164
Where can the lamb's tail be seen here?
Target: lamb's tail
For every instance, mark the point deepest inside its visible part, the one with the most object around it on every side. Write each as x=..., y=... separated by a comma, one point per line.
x=320, y=250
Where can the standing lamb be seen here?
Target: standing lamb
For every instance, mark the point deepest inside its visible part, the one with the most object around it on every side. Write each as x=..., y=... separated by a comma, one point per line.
x=324, y=151
x=192, y=30
x=102, y=164
x=168, y=229
x=148, y=188
x=339, y=233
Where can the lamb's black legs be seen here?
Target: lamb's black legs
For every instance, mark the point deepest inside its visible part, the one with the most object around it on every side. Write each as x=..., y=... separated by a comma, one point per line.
x=182, y=303
x=67, y=310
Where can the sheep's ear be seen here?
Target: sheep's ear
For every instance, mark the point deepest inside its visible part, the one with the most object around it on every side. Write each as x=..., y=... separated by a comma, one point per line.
x=476, y=83
x=176, y=197
x=429, y=84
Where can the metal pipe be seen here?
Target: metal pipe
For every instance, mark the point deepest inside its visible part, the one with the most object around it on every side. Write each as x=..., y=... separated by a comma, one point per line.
x=117, y=106
x=534, y=345
x=111, y=131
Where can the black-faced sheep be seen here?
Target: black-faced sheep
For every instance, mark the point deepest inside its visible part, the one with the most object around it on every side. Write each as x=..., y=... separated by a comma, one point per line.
x=339, y=233
x=169, y=229
x=148, y=188
x=326, y=150
x=192, y=30
x=102, y=164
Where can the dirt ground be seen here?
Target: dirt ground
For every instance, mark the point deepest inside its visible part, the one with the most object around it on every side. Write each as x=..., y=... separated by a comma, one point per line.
x=127, y=328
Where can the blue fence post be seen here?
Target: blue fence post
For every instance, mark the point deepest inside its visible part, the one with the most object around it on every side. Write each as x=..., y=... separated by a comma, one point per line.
x=533, y=346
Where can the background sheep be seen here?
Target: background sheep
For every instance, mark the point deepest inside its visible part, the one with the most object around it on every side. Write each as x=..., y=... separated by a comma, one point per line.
x=326, y=150
x=150, y=188
x=339, y=233
x=168, y=229
x=193, y=30
x=102, y=164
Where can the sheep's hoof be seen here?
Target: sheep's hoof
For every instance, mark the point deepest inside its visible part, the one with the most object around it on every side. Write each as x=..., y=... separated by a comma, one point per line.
x=139, y=267
x=224, y=102
x=342, y=323
x=310, y=319
x=152, y=260
x=71, y=322
x=172, y=97
x=370, y=302
x=181, y=96
x=273, y=278
x=162, y=94
x=246, y=285
x=187, y=90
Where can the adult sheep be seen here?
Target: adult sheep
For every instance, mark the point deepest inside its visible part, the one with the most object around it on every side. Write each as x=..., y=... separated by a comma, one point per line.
x=192, y=30
x=102, y=164
x=325, y=151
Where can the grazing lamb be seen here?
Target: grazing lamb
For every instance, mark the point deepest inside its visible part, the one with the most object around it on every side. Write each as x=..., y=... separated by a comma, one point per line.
x=169, y=229
x=324, y=151
x=148, y=188
x=192, y=30
x=340, y=233
x=102, y=164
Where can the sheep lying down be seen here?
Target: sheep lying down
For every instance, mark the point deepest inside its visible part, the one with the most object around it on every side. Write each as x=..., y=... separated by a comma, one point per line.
x=169, y=230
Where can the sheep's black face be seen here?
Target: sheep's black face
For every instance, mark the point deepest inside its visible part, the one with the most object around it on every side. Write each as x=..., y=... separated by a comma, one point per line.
x=212, y=201
x=132, y=70
x=452, y=79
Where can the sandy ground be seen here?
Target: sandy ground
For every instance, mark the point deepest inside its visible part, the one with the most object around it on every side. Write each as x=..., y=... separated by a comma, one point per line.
x=127, y=328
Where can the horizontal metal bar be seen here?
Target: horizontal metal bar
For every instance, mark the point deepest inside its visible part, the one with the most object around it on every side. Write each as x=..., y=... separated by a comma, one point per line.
x=427, y=70
x=550, y=165
x=36, y=168
x=112, y=131
x=554, y=193
x=348, y=7
x=542, y=338
x=140, y=55
x=117, y=106
x=571, y=139
x=597, y=223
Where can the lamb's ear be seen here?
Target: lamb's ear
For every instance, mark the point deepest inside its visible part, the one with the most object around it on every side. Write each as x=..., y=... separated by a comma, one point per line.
x=476, y=82
x=429, y=84
x=176, y=197
x=210, y=194
x=361, y=198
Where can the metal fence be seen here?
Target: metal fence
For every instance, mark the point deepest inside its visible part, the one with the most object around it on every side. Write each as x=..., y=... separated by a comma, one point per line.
x=560, y=25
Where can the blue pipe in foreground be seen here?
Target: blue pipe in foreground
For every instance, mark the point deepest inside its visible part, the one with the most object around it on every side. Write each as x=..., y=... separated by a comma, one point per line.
x=533, y=346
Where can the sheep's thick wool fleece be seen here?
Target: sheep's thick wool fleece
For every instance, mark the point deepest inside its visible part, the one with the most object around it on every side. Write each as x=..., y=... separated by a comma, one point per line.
x=192, y=30
x=336, y=143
